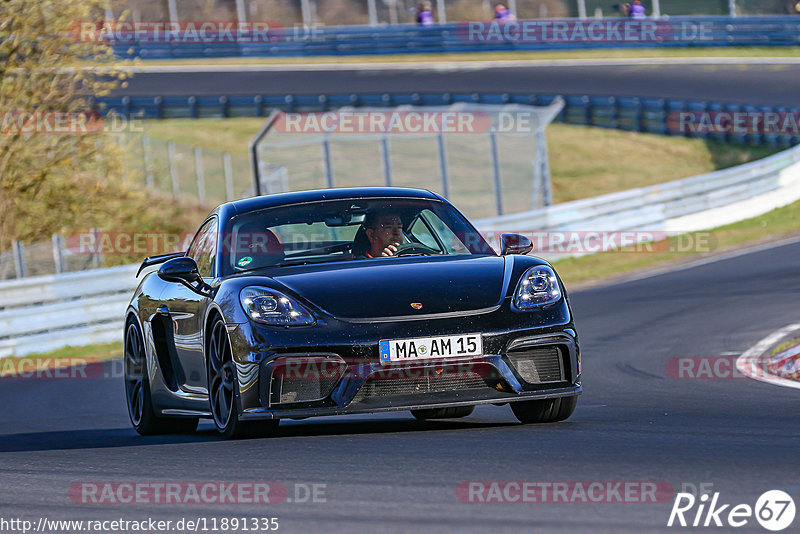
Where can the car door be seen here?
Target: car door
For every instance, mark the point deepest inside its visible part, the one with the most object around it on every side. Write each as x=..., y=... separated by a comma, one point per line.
x=186, y=309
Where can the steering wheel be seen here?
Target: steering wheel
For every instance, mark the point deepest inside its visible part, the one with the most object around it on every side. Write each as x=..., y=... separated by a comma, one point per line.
x=411, y=249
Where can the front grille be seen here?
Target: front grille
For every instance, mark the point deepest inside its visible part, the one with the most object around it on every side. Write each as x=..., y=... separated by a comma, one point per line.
x=428, y=381
x=304, y=378
x=303, y=389
x=539, y=365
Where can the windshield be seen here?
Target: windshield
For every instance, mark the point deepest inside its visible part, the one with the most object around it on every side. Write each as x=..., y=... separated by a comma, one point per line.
x=344, y=230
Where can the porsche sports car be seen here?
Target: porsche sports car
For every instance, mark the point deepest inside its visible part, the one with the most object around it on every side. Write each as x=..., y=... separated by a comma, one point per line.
x=346, y=301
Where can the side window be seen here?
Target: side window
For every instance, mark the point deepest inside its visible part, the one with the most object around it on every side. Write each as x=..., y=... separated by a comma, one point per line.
x=204, y=248
x=420, y=231
x=452, y=244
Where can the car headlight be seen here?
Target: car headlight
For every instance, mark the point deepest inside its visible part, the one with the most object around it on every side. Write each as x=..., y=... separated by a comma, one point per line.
x=274, y=308
x=537, y=287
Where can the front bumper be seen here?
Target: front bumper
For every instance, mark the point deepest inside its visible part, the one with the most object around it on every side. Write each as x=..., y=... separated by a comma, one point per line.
x=364, y=385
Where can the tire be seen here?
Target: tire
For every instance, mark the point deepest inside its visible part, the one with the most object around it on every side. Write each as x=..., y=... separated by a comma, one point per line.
x=222, y=389
x=443, y=413
x=544, y=411
x=137, y=392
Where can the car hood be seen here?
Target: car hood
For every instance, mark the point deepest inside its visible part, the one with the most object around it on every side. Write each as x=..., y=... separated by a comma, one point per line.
x=387, y=288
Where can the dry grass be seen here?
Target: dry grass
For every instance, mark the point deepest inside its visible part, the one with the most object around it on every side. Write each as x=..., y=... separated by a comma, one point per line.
x=639, y=53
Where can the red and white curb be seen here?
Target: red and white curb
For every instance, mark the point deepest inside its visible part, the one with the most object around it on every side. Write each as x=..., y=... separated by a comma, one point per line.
x=753, y=363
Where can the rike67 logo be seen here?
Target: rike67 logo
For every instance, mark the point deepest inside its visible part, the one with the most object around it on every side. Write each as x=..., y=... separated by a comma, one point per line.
x=774, y=510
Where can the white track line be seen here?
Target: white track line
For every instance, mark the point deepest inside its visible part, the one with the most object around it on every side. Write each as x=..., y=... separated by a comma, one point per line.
x=451, y=66
x=751, y=363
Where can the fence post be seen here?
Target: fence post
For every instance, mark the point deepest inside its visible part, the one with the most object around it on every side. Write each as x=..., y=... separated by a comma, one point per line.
x=172, y=7
x=387, y=164
x=173, y=169
x=97, y=255
x=542, y=189
x=305, y=6
x=148, y=163
x=241, y=15
x=732, y=8
x=581, y=9
x=58, y=254
x=198, y=169
x=441, y=11
x=512, y=6
x=656, y=9
x=228, y=171
x=443, y=166
x=498, y=186
x=326, y=161
x=18, y=250
x=373, y=12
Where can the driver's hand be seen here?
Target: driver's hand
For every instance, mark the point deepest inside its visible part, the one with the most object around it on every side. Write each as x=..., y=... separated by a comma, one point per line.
x=389, y=251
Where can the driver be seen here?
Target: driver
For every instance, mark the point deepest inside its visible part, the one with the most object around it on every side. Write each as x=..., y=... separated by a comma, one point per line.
x=384, y=230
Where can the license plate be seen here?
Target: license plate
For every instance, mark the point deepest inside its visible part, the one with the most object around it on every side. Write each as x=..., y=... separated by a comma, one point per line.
x=424, y=348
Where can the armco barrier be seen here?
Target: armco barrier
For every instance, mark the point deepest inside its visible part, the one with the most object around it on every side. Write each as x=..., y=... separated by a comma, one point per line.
x=621, y=112
x=537, y=34
x=680, y=206
x=44, y=313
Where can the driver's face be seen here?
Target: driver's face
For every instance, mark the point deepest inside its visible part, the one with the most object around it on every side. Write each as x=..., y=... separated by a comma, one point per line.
x=388, y=231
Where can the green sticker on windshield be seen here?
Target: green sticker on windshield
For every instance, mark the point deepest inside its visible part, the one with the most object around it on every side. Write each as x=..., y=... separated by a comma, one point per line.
x=244, y=262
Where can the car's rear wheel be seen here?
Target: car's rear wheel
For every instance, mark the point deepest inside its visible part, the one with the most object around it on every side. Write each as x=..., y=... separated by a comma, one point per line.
x=544, y=411
x=222, y=387
x=454, y=412
x=137, y=391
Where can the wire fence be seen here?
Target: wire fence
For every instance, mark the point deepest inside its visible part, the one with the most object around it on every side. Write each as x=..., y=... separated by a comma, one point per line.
x=191, y=173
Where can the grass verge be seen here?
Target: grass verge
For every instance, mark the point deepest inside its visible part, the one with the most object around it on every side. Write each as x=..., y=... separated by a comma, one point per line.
x=638, y=53
x=60, y=358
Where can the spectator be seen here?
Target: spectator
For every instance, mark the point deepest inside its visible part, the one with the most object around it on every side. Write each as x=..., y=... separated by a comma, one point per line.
x=503, y=14
x=624, y=9
x=424, y=14
x=637, y=10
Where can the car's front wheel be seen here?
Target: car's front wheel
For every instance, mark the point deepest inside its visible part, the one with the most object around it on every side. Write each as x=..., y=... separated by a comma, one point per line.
x=544, y=411
x=137, y=391
x=453, y=412
x=222, y=389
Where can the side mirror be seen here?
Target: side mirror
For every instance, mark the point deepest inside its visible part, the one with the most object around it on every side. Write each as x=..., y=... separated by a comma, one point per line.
x=183, y=270
x=514, y=244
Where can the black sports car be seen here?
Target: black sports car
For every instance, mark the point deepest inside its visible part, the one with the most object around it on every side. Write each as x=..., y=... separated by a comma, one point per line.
x=346, y=301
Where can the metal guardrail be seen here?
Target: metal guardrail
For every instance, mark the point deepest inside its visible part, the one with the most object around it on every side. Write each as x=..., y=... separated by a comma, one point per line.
x=683, y=31
x=650, y=115
x=44, y=313
x=680, y=206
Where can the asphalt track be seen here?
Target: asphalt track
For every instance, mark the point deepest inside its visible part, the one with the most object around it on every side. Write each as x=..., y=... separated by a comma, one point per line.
x=389, y=473
x=750, y=83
